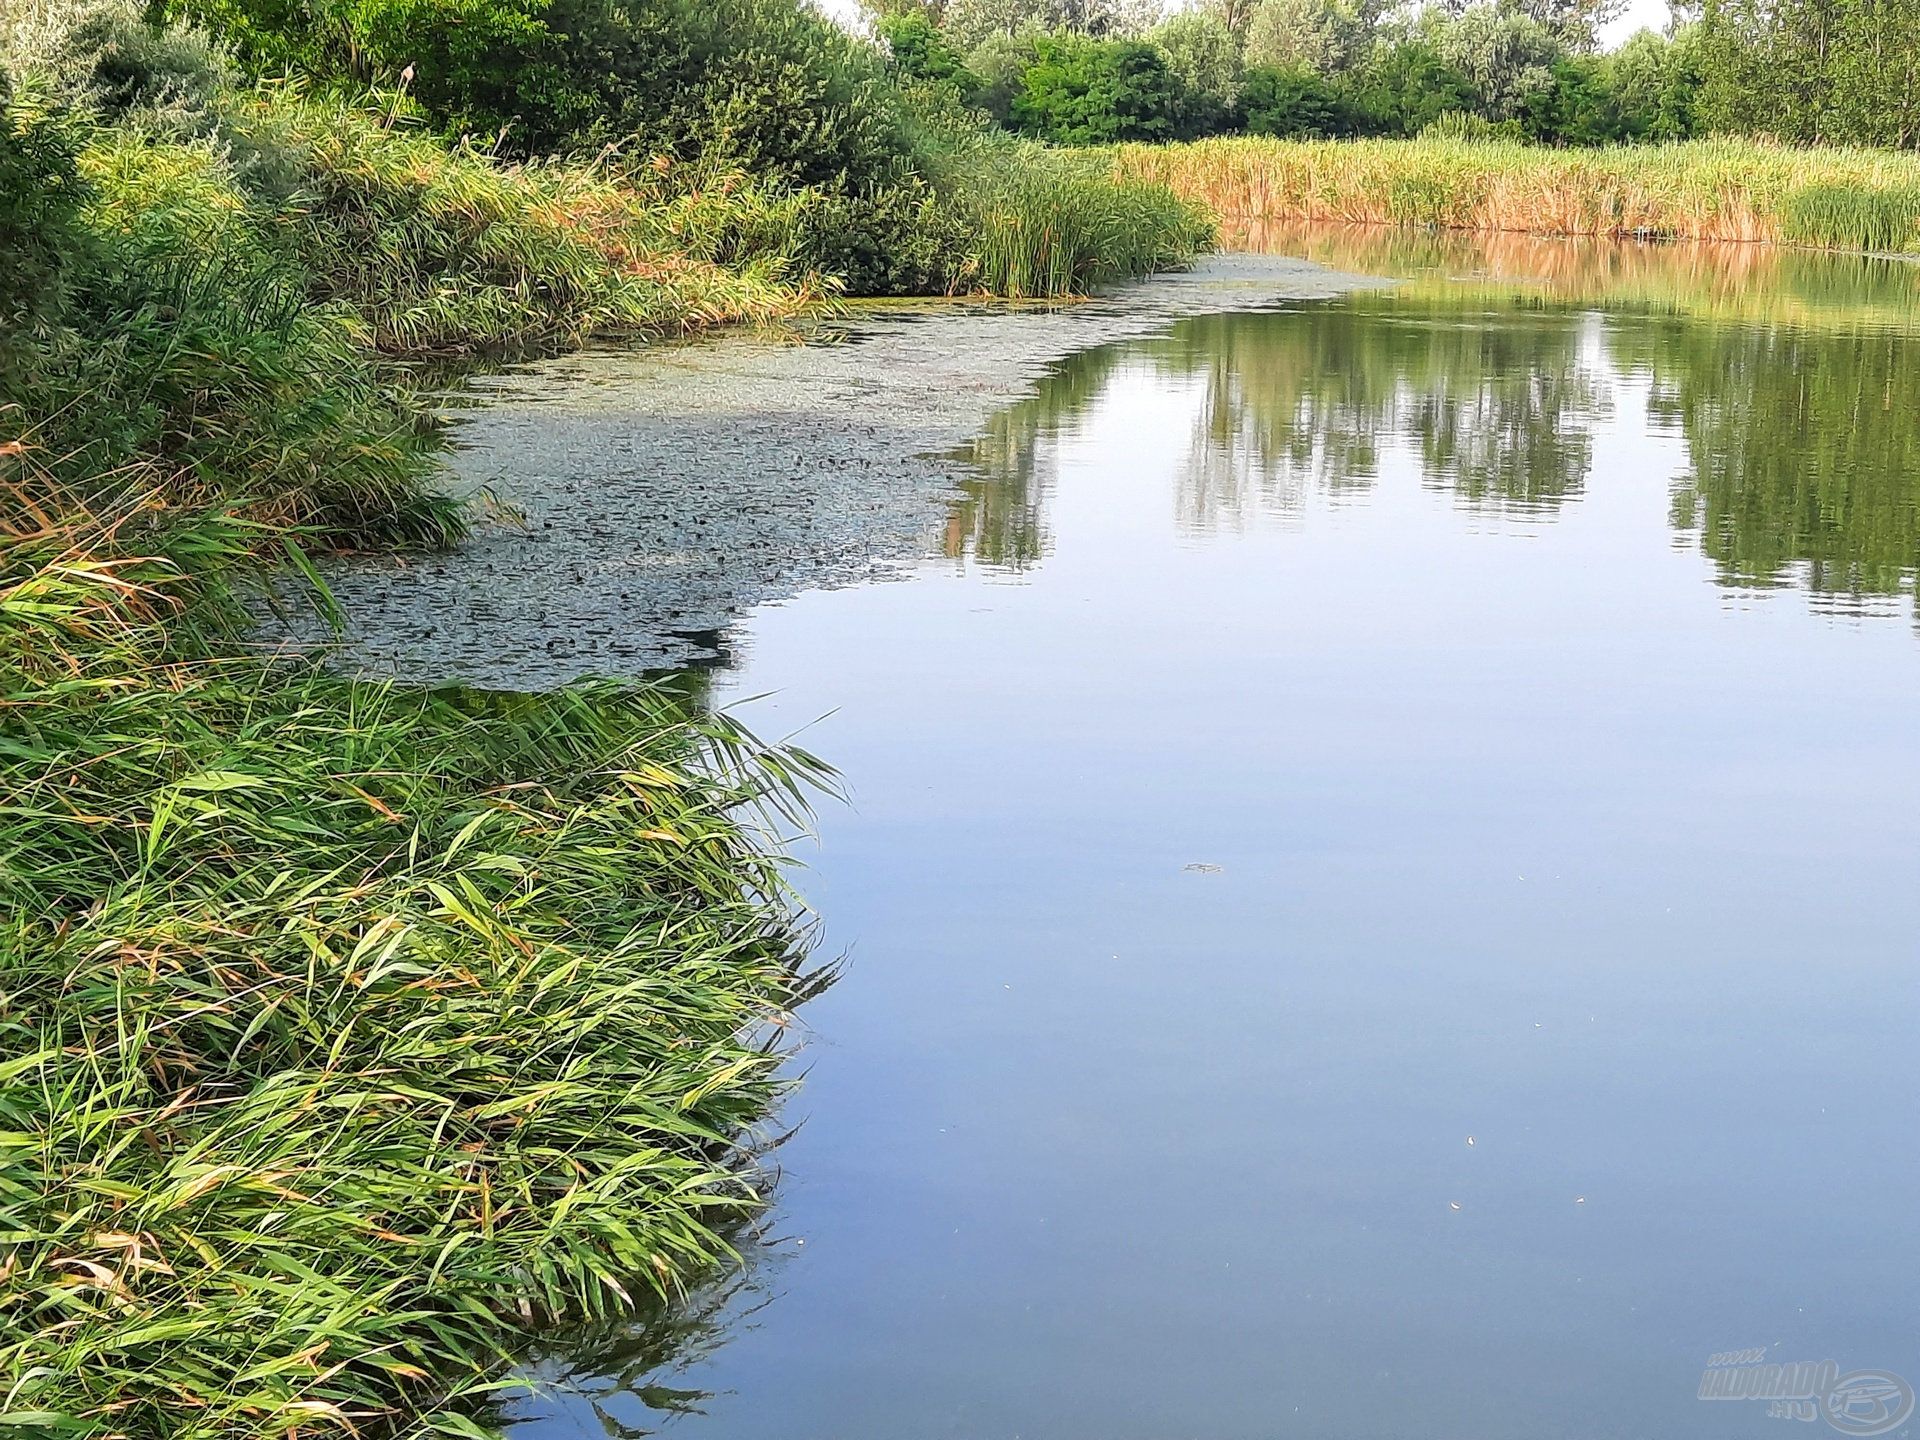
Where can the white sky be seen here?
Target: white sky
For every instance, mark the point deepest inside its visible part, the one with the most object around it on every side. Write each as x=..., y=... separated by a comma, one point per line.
x=1641, y=14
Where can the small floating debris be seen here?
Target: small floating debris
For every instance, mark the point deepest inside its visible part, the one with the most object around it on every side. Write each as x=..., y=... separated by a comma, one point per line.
x=1201, y=867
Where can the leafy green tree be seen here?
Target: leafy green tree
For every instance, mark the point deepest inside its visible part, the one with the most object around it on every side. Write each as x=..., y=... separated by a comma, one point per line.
x=1578, y=107
x=1506, y=55
x=1328, y=37
x=1656, y=82
x=1292, y=102
x=968, y=22
x=1080, y=91
x=1575, y=23
x=1000, y=63
x=1406, y=86
x=1205, y=55
x=1813, y=71
x=921, y=52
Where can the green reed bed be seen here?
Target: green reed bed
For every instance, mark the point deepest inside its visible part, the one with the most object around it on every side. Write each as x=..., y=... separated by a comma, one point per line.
x=444, y=249
x=1045, y=224
x=349, y=1033
x=1719, y=189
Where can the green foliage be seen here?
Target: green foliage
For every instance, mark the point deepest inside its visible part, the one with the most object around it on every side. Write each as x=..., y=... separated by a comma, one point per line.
x=970, y=22
x=1046, y=224
x=345, y=1029
x=106, y=59
x=1292, y=102
x=921, y=51
x=1204, y=56
x=1407, y=87
x=1813, y=71
x=1656, y=83
x=1850, y=217
x=1326, y=37
x=348, y=1029
x=768, y=88
x=1507, y=56
x=1000, y=63
x=447, y=251
x=1080, y=91
x=40, y=199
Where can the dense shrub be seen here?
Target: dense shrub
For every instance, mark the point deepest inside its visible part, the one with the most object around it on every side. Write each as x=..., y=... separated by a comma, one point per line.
x=40, y=198
x=1292, y=102
x=922, y=52
x=107, y=59
x=1205, y=56
x=1080, y=91
x=766, y=87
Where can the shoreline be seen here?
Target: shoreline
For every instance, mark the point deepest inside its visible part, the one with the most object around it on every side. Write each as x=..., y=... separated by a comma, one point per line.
x=662, y=493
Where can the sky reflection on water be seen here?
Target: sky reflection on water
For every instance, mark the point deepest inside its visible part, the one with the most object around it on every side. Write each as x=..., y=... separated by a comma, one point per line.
x=1379, y=886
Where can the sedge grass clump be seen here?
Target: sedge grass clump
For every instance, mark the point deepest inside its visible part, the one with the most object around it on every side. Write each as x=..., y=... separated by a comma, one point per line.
x=1836, y=217
x=1042, y=223
x=347, y=1031
x=446, y=250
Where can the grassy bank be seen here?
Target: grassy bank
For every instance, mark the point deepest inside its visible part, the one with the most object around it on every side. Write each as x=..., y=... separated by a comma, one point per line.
x=348, y=1030
x=1723, y=190
x=345, y=1032
x=348, y=1033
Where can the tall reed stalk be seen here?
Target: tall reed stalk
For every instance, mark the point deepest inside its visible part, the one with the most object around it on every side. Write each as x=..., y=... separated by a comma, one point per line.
x=1728, y=190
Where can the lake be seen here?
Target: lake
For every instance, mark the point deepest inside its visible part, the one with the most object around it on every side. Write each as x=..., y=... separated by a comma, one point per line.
x=1379, y=888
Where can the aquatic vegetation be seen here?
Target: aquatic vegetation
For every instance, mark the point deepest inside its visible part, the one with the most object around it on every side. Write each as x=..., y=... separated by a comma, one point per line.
x=1837, y=217
x=1733, y=190
x=1046, y=224
x=350, y=1031
x=347, y=1029
x=446, y=249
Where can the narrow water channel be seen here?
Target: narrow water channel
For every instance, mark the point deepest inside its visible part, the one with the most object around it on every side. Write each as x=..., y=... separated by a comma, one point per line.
x=1381, y=891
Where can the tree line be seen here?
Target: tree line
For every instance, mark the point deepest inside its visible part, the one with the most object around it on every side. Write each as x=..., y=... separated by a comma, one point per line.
x=1096, y=71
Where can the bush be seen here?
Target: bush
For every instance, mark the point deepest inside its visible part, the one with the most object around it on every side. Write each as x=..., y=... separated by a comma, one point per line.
x=769, y=88
x=1291, y=102
x=1406, y=87
x=1204, y=56
x=921, y=52
x=106, y=59
x=40, y=199
x=1091, y=92
x=1000, y=63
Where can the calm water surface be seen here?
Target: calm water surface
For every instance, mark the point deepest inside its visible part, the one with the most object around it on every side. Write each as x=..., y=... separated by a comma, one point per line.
x=1381, y=886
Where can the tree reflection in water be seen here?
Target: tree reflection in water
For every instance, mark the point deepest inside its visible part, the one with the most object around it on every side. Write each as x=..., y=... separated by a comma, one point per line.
x=1789, y=375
